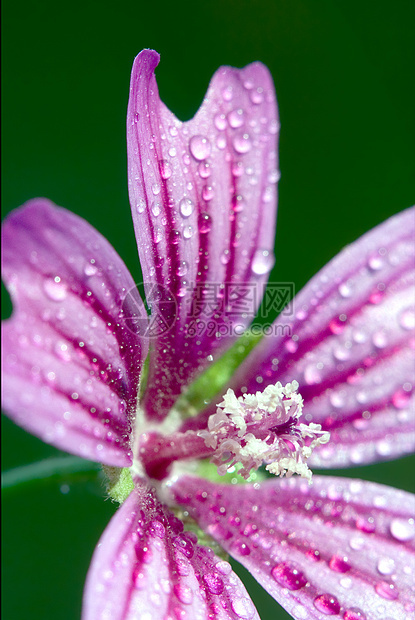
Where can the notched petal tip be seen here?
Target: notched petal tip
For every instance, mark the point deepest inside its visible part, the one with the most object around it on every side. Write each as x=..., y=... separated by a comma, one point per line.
x=145, y=62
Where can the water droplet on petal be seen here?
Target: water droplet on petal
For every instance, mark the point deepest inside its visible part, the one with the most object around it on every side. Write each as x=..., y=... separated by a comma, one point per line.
x=288, y=576
x=345, y=290
x=187, y=232
x=402, y=529
x=204, y=170
x=387, y=590
x=205, y=223
x=312, y=374
x=182, y=268
x=386, y=566
x=156, y=208
x=257, y=95
x=241, y=548
x=55, y=289
x=339, y=564
x=236, y=118
x=207, y=193
x=243, y=607
x=214, y=583
x=220, y=122
x=141, y=205
x=183, y=593
x=400, y=399
x=227, y=93
x=90, y=270
x=225, y=257
x=165, y=169
x=242, y=142
x=379, y=339
x=199, y=147
x=407, y=319
x=262, y=262
x=354, y=614
x=186, y=207
x=327, y=604
x=375, y=263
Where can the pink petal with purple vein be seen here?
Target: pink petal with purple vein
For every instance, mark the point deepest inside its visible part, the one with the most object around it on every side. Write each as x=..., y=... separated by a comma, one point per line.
x=352, y=349
x=341, y=548
x=146, y=566
x=203, y=198
x=70, y=363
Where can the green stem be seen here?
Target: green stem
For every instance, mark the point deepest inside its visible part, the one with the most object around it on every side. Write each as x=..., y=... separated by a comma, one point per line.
x=46, y=469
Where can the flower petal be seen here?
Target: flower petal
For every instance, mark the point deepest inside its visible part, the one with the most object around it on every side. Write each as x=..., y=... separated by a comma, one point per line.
x=340, y=547
x=351, y=348
x=146, y=566
x=203, y=198
x=70, y=363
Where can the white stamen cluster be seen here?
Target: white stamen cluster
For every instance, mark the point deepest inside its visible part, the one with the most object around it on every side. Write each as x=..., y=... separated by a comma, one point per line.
x=263, y=428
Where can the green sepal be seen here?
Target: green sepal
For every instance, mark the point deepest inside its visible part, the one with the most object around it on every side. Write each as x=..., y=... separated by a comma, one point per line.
x=215, y=378
x=119, y=483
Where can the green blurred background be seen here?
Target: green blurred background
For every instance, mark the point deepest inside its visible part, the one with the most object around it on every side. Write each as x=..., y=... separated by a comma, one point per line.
x=343, y=72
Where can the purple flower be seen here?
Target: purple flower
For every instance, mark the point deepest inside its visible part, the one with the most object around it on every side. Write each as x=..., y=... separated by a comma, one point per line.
x=203, y=198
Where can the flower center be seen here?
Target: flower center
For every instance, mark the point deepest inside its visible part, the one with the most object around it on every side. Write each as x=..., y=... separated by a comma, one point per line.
x=263, y=428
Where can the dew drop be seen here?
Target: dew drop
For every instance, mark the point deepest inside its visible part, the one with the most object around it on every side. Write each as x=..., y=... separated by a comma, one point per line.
x=157, y=235
x=220, y=122
x=223, y=567
x=204, y=223
x=386, y=566
x=345, y=290
x=183, y=593
x=207, y=193
x=141, y=205
x=156, y=189
x=375, y=263
x=242, y=142
x=227, y=93
x=327, y=604
x=238, y=204
x=387, y=590
x=186, y=207
x=155, y=209
x=165, y=169
x=214, y=583
x=187, y=232
x=366, y=524
x=262, y=262
x=407, y=319
x=182, y=268
x=337, y=325
x=225, y=257
x=204, y=170
x=379, y=339
x=257, y=95
x=339, y=564
x=402, y=529
x=55, y=289
x=237, y=169
x=312, y=375
x=199, y=147
x=288, y=576
x=236, y=118
x=243, y=608
x=313, y=555
x=354, y=614
x=241, y=547
x=90, y=270
x=400, y=399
